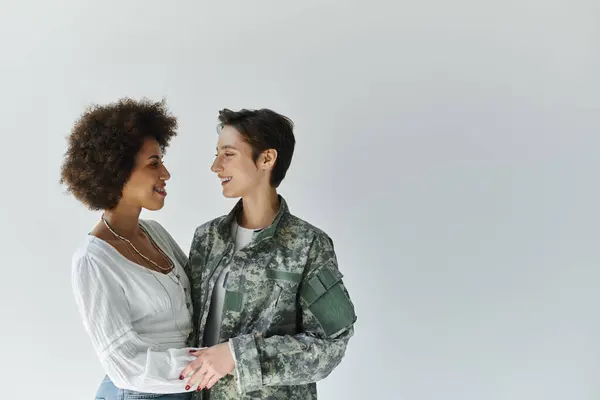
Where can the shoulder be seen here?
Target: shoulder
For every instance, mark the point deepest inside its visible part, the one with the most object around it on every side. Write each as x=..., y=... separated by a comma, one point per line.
x=90, y=250
x=303, y=229
x=158, y=232
x=207, y=228
x=154, y=227
x=297, y=233
x=90, y=260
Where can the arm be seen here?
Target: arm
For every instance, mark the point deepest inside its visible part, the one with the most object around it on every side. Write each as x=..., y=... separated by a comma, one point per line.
x=327, y=316
x=197, y=260
x=129, y=360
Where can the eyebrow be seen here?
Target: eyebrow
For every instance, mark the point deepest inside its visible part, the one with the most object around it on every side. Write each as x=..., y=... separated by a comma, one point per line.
x=227, y=146
x=154, y=156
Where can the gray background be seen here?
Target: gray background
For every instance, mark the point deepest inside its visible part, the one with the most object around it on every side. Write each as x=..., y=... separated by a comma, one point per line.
x=448, y=147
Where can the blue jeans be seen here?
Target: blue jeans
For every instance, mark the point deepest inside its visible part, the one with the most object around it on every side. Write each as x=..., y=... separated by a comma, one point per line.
x=108, y=391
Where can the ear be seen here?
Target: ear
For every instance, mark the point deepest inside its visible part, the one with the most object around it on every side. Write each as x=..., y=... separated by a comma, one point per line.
x=268, y=159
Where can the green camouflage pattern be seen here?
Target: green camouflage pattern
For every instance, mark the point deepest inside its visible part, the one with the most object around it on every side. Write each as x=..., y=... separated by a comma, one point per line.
x=287, y=315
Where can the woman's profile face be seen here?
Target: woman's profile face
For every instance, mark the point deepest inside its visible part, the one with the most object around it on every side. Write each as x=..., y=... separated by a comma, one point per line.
x=146, y=187
x=235, y=166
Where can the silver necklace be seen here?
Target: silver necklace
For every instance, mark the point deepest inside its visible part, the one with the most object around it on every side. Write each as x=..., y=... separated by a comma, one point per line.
x=124, y=239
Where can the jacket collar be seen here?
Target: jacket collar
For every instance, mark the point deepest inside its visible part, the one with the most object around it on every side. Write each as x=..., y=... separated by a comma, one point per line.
x=224, y=227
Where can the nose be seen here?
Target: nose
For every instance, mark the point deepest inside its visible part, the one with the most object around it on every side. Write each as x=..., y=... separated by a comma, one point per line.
x=216, y=166
x=166, y=175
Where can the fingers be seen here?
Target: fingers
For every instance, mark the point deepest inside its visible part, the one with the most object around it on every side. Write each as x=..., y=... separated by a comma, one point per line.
x=197, y=352
x=211, y=382
x=199, y=375
x=190, y=368
x=193, y=365
x=206, y=369
x=206, y=378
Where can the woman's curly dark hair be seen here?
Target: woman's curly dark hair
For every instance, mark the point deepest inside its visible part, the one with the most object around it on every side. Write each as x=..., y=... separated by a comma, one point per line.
x=103, y=145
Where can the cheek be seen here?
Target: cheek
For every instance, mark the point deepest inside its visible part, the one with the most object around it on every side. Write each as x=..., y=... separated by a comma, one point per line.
x=139, y=184
x=245, y=171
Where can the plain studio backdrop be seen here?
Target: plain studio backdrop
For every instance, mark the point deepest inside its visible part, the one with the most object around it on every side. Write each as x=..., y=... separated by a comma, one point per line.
x=449, y=148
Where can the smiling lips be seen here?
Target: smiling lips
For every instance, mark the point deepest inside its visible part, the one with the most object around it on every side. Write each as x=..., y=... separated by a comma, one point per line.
x=225, y=180
x=160, y=190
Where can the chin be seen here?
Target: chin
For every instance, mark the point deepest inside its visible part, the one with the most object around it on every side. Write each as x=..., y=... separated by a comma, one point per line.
x=154, y=206
x=231, y=194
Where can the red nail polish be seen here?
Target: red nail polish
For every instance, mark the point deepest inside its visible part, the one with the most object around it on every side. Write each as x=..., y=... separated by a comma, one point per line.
x=180, y=377
x=198, y=389
x=187, y=387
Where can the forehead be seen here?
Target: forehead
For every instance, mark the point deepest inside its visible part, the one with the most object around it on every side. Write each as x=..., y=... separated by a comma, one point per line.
x=229, y=136
x=150, y=147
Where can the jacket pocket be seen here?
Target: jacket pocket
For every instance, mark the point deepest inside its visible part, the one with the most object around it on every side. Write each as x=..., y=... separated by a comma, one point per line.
x=285, y=284
x=280, y=306
x=264, y=316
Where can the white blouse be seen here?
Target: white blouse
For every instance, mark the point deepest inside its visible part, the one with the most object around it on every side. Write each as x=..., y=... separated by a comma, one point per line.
x=138, y=319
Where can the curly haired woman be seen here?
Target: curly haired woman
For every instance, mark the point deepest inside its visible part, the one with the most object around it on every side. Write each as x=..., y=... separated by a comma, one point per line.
x=129, y=280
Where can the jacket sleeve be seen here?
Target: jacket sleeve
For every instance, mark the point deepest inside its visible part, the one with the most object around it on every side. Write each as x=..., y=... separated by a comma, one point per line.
x=194, y=267
x=327, y=324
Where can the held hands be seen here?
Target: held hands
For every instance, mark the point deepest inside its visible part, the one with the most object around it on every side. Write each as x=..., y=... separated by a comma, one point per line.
x=211, y=364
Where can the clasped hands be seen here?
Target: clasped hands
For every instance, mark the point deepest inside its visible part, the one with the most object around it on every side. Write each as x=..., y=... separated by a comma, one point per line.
x=211, y=364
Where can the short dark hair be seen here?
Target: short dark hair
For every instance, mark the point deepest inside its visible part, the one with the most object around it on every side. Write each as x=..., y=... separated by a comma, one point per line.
x=103, y=145
x=264, y=129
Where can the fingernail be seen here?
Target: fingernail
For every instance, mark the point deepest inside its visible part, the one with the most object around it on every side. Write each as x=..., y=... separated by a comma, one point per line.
x=187, y=387
x=198, y=389
x=191, y=351
x=180, y=377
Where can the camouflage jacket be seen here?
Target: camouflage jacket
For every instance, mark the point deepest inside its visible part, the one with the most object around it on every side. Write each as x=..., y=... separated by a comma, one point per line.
x=287, y=315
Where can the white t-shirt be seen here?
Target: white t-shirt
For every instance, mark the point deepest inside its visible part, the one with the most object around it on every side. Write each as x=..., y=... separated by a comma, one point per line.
x=243, y=236
x=138, y=319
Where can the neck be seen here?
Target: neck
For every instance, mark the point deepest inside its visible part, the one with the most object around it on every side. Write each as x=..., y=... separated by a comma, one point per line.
x=259, y=209
x=124, y=220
